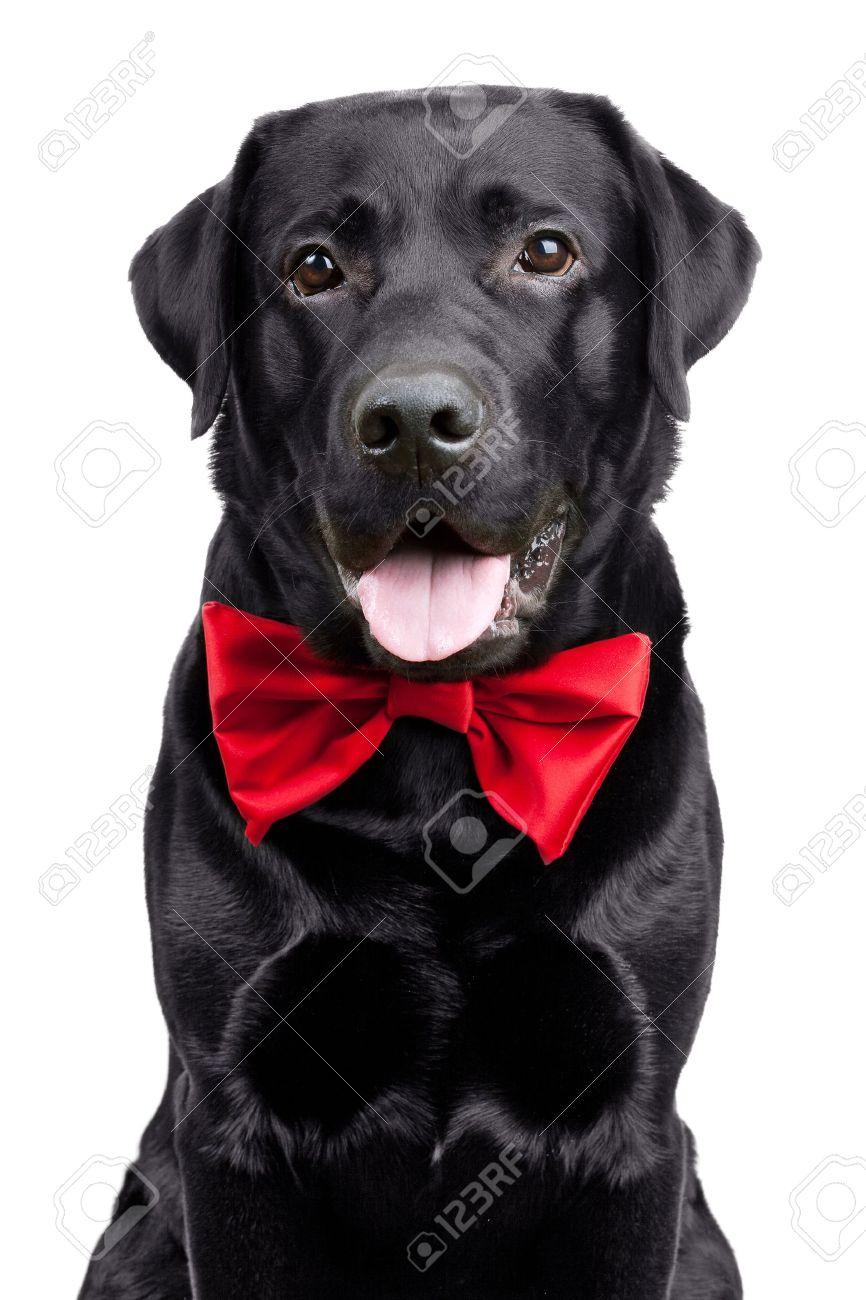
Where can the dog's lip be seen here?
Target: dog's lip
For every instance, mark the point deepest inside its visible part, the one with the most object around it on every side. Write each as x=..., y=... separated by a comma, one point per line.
x=367, y=552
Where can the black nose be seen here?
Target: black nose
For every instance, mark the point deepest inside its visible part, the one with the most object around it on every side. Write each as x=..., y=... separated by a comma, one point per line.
x=419, y=421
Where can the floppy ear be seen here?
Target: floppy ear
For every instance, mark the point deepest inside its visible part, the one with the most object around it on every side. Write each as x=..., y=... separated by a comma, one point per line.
x=700, y=263
x=182, y=285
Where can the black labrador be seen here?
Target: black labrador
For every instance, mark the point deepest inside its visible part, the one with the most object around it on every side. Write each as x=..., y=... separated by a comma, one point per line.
x=380, y=1085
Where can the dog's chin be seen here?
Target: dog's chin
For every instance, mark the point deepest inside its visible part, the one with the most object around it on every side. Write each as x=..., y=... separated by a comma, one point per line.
x=474, y=619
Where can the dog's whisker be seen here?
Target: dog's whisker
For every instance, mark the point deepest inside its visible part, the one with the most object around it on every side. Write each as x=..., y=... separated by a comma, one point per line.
x=281, y=498
x=279, y=514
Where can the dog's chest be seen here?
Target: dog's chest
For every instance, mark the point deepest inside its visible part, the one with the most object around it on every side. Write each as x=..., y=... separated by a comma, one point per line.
x=358, y=1038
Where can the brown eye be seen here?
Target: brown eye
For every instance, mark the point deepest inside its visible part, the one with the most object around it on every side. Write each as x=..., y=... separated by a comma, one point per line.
x=545, y=255
x=316, y=273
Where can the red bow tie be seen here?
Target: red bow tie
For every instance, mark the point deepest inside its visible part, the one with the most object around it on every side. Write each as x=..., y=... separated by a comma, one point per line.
x=291, y=727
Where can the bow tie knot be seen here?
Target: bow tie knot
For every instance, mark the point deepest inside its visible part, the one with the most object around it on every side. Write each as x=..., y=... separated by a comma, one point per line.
x=451, y=704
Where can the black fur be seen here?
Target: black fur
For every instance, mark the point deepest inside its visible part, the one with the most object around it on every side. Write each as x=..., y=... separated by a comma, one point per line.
x=518, y=1012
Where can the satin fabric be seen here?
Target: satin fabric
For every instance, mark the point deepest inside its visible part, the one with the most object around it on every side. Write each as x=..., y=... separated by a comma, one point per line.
x=291, y=727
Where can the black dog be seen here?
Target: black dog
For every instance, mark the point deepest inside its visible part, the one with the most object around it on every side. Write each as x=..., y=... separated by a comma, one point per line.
x=380, y=1086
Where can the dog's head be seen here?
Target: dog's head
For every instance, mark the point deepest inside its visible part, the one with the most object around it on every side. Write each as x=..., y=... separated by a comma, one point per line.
x=443, y=373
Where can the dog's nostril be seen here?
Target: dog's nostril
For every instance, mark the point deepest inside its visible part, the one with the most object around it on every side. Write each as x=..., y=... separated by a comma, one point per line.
x=453, y=425
x=378, y=431
x=390, y=430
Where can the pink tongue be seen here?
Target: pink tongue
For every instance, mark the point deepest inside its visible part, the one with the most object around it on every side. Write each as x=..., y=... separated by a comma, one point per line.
x=426, y=605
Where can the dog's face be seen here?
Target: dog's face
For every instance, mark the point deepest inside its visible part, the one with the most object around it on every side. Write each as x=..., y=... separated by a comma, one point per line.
x=440, y=374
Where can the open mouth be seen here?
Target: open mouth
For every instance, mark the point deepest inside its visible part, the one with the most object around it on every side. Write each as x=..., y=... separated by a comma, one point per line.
x=431, y=597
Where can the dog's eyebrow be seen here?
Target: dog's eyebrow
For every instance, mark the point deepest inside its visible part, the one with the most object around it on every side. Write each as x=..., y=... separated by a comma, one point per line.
x=504, y=208
x=500, y=205
x=350, y=215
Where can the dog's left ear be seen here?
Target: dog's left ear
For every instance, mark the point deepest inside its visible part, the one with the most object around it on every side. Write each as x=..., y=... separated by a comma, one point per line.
x=700, y=260
x=182, y=285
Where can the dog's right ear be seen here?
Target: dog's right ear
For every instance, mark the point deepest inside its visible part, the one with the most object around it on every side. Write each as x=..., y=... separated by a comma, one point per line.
x=182, y=285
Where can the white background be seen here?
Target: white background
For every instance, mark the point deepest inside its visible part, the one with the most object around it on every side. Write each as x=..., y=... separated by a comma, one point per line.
x=775, y=1084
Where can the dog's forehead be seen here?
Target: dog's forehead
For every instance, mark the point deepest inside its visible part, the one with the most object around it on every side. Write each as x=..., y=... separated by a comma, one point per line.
x=411, y=151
